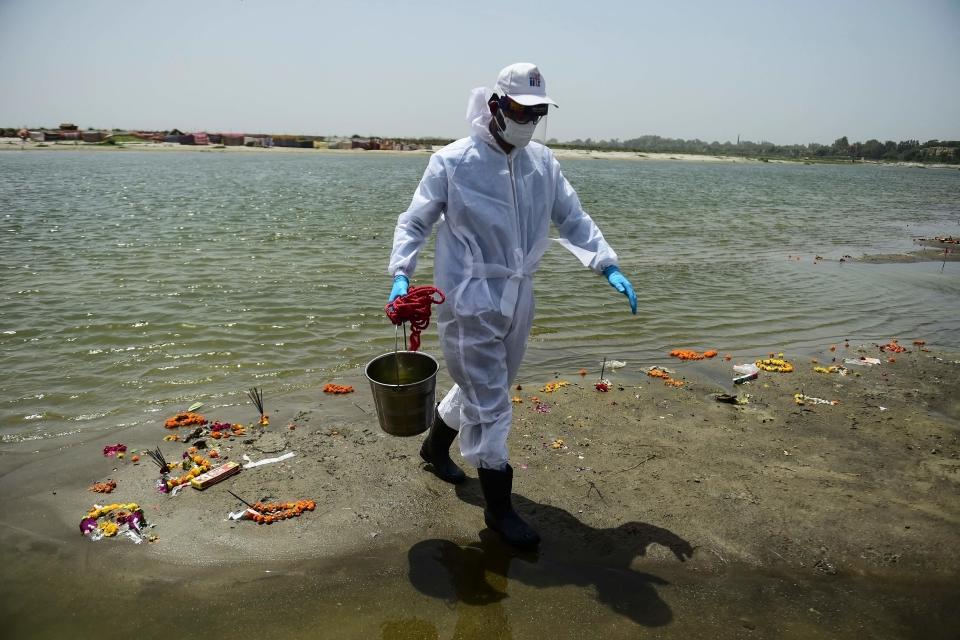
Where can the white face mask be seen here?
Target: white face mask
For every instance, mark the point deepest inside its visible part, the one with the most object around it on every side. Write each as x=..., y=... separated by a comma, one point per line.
x=514, y=133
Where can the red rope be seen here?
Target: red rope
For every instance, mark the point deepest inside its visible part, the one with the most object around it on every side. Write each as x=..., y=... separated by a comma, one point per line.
x=415, y=309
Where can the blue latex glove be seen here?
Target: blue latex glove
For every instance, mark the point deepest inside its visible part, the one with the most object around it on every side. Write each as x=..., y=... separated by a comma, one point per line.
x=619, y=282
x=401, y=284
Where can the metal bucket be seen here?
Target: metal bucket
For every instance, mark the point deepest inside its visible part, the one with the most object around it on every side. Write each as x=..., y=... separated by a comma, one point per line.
x=404, y=385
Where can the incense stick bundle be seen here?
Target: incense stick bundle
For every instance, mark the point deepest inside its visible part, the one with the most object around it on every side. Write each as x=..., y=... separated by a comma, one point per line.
x=256, y=397
x=157, y=456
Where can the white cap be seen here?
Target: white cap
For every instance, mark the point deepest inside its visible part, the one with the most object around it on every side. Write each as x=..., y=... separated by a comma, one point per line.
x=524, y=84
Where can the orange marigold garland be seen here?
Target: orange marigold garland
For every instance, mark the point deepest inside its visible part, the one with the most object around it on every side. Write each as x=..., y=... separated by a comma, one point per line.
x=270, y=512
x=337, y=388
x=689, y=354
x=185, y=419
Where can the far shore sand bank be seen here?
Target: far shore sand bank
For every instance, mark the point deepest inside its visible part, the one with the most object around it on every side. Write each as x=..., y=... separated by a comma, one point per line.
x=14, y=144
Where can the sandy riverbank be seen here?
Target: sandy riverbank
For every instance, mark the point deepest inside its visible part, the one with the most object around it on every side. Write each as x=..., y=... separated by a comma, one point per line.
x=9, y=144
x=14, y=144
x=659, y=507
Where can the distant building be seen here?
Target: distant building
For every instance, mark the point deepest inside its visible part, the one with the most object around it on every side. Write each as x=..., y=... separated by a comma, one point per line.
x=257, y=141
x=92, y=136
x=292, y=142
x=67, y=126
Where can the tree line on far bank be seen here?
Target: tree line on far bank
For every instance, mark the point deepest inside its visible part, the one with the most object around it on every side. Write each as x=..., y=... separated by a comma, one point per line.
x=946, y=151
x=842, y=150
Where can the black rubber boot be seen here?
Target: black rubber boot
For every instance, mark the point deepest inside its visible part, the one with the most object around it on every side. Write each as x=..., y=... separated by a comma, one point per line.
x=499, y=514
x=436, y=451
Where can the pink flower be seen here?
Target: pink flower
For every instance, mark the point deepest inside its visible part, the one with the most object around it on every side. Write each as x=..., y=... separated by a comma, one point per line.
x=111, y=449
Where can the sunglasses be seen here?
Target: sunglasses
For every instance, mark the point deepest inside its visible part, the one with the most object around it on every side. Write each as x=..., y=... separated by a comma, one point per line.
x=522, y=114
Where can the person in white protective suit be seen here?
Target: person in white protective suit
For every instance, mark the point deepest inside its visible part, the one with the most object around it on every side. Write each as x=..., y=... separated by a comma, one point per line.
x=493, y=196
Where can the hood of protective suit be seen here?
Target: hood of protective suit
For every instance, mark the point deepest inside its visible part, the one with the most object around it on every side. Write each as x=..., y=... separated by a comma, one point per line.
x=478, y=114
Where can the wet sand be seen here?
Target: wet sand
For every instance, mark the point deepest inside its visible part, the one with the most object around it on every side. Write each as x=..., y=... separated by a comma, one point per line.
x=663, y=511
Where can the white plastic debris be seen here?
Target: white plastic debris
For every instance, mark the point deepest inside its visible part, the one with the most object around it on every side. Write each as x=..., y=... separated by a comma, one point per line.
x=861, y=362
x=250, y=464
x=746, y=369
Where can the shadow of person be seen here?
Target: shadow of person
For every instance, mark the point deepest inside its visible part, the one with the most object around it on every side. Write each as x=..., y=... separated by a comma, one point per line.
x=571, y=553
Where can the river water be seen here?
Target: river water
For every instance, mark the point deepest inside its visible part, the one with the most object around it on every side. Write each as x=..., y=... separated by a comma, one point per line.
x=135, y=283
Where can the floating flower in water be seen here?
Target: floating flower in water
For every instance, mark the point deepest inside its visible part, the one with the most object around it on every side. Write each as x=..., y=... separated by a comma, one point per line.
x=583, y=372
x=112, y=449
x=184, y=419
x=710, y=354
x=686, y=354
x=892, y=346
x=337, y=388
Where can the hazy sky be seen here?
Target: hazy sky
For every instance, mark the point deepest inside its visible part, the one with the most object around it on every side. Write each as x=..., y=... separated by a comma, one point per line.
x=788, y=72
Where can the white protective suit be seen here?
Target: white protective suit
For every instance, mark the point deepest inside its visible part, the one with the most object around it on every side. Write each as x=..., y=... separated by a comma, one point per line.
x=494, y=211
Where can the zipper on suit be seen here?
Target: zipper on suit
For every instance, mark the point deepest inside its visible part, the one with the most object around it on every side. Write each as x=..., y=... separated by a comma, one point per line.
x=516, y=203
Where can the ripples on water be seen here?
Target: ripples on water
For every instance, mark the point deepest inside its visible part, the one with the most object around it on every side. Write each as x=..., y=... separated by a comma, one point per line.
x=135, y=283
